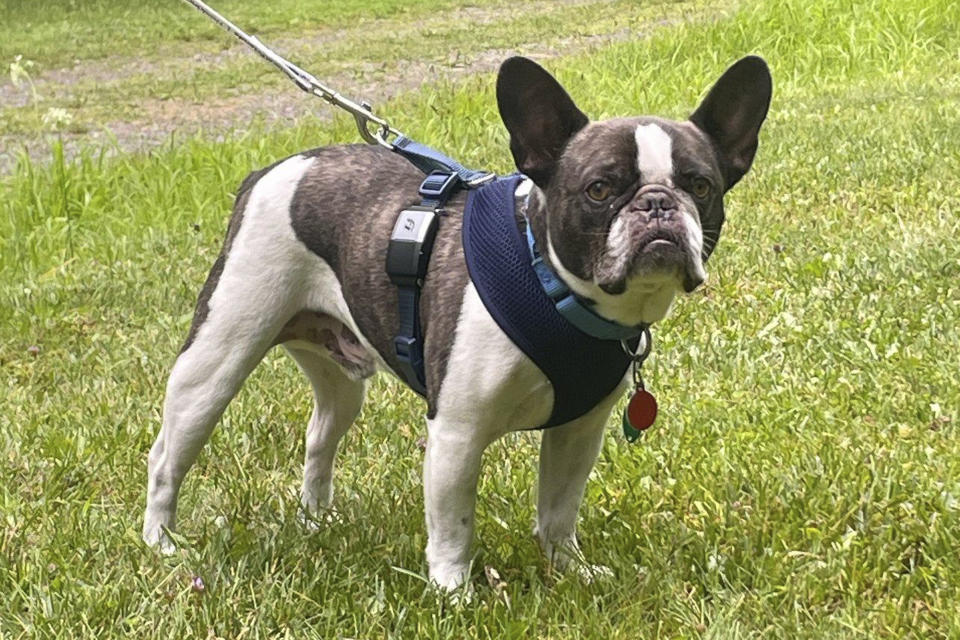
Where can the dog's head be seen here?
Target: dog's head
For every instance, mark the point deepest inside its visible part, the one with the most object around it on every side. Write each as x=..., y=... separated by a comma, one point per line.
x=627, y=211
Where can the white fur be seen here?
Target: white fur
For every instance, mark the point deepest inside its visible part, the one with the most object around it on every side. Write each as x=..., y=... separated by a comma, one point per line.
x=237, y=332
x=491, y=387
x=268, y=276
x=618, y=241
x=695, y=240
x=337, y=402
x=654, y=154
x=567, y=455
x=486, y=365
x=523, y=188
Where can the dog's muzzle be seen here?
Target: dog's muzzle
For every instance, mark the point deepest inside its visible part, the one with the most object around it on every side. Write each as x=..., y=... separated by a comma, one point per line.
x=650, y=237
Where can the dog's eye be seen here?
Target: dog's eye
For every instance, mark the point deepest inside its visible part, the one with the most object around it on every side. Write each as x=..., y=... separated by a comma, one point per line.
x=701, y=188
x=598, y=191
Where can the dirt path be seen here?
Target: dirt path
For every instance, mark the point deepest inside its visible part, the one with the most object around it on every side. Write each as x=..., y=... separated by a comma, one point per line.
x=221, y=114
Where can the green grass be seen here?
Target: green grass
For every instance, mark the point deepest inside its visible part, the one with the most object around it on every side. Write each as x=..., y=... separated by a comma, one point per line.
x=804, y=480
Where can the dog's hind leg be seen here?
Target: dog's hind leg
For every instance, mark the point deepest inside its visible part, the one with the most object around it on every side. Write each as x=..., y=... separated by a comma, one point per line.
x=204, y=379
x=252, y=291
x=337, y=400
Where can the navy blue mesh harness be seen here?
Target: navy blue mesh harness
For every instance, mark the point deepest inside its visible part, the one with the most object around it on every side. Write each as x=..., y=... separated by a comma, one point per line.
x=582, y=369
x=579, y=352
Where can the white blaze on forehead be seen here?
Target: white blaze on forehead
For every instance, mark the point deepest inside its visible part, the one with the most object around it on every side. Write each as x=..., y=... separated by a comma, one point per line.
x=654, y=154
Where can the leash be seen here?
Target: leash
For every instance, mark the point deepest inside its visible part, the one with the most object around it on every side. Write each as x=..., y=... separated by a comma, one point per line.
x=373, y=128
x=362, y=112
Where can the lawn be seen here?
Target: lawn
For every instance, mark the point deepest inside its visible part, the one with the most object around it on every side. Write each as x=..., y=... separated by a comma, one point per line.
x=803, y=480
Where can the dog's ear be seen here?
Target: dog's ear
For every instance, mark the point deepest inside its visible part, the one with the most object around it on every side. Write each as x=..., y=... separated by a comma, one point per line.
x=539, y=115
x=732, y=113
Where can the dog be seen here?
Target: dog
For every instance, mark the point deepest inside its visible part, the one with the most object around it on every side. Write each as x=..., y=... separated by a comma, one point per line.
x=626, y=212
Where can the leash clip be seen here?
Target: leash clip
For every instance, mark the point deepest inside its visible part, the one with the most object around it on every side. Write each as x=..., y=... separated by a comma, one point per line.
x=363, y=117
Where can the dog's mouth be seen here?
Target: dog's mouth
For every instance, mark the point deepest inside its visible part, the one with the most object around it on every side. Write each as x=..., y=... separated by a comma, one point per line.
x=658, y=255
x=658, y=250
x=660, y=244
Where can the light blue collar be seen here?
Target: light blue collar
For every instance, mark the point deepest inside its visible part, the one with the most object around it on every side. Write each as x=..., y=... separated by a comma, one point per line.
x=569, y=305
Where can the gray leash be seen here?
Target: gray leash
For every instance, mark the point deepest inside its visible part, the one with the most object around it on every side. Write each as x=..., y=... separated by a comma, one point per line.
x=373, y=129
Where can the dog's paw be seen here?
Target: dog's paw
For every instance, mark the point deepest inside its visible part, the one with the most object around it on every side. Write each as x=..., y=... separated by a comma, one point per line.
x=315, y=520
x=464, y=595
x=156, y=538
x=565, y=557
x=460, y=595
x=577, y=565
x=450, y=578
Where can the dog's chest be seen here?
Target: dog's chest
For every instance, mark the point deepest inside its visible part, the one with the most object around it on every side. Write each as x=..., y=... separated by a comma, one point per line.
x=489, y=380
x=583, y=370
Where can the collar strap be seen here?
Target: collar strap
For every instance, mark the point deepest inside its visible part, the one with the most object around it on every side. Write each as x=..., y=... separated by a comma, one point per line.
x=569, y=305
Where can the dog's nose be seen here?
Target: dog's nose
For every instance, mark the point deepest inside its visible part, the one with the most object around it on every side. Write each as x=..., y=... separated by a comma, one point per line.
x=657, y=204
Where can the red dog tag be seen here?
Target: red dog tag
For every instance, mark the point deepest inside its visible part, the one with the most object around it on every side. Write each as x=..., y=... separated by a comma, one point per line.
x=640, y=414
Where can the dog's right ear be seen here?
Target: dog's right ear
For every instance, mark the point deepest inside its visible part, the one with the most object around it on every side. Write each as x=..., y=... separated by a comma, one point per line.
x=539, y=115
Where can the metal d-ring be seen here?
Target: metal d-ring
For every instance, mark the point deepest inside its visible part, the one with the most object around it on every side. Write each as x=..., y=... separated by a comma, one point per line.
x=639, y=358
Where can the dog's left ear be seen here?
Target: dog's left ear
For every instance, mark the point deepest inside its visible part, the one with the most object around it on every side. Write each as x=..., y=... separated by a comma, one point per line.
x=539, y=115
x=732, y=113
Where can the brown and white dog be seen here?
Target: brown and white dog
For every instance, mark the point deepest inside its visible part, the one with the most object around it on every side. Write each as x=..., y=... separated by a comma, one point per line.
x=626, y=212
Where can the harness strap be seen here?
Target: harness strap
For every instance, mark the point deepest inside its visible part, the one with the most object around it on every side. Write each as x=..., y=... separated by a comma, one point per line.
x=430, y=160
x=408, y=256
x=409, y=339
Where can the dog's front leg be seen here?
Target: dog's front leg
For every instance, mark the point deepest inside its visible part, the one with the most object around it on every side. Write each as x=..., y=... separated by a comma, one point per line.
x=450, y=473
x=567, y=454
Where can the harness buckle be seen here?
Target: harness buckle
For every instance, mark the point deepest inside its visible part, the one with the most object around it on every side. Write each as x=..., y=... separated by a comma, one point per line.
x=410, y=356
x=404, y=346
x=439, y=185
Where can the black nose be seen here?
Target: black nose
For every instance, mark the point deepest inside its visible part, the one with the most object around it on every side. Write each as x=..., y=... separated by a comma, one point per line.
x=656, y=203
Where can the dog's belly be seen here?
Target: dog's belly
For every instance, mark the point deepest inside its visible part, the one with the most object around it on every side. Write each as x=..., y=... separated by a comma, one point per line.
x=323, y=334
x=488, y=382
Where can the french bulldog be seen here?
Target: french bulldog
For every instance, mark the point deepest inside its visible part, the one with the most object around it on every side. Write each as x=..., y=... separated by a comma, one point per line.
x=625, y=211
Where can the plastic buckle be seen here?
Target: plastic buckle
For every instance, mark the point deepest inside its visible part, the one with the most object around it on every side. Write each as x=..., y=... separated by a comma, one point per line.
x=407, y=348
x=439, y=185
x=404, y=346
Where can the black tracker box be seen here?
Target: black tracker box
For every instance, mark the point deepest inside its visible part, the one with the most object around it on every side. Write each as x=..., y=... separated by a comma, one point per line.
x=410, y=245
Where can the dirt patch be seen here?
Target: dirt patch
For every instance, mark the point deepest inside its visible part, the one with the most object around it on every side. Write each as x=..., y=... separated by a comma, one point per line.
x=220, y=116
